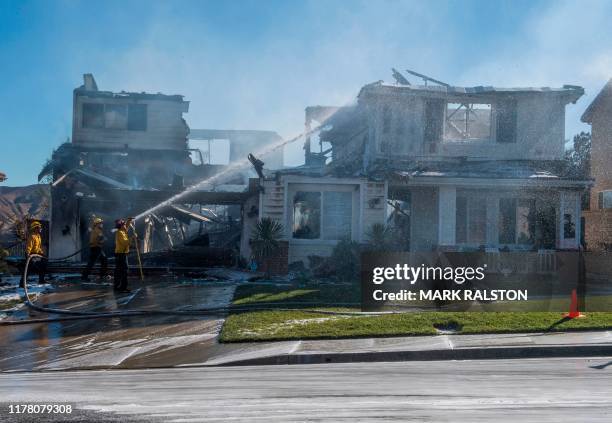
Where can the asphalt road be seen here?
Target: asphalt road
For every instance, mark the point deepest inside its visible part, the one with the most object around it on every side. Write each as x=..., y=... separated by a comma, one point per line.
x=529, y=390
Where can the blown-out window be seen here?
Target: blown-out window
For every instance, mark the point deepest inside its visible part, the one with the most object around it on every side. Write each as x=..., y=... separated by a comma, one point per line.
x=115, y=116
x=307, y=215
x=517, y=219
x=93, y=115
x=137, y=117
x=467, y=121
x=326, y=215
x=506, y=121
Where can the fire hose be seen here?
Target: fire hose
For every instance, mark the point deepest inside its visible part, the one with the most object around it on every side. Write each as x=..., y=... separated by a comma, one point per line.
x=68, y=315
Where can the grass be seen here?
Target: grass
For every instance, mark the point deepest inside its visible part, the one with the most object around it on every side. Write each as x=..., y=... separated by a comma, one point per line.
x=304, y=322
x=7, y=305
x=291, y=325
x=254, y=295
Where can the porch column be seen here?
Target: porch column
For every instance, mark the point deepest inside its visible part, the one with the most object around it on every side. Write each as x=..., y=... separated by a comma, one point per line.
x=447, y=209
x=578, y=215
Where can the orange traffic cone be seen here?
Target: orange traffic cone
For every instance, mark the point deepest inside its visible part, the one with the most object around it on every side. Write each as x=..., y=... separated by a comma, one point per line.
x=574, y=313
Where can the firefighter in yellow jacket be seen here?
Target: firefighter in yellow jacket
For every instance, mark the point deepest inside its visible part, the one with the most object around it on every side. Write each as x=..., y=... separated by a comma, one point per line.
x=34, y=246
x=96, y=249
x=122, y=249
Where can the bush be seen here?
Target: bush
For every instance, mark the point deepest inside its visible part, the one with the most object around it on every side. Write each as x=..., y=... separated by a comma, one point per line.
x=266, y=241
x=343, y=264
x=380, y=238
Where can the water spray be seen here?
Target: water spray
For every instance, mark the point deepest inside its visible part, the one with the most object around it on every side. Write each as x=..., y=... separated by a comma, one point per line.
x=62, y=178
x=132, y=224
x=229, y=170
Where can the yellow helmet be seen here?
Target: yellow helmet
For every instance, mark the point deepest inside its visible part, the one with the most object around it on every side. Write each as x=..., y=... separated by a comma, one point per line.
x=35, y=225
x=97, y=221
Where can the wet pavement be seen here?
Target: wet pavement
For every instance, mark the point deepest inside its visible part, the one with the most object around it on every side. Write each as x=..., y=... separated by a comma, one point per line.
x=159, y=341
x=122, y=342
x=532, y=390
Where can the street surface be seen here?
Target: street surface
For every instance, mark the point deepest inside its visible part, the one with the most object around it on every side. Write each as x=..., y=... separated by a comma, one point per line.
x=528, y=390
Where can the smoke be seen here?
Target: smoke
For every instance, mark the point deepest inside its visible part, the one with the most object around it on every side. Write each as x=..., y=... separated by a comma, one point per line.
x=257, y=65
x=561, y=42
x=228, y=172
x=264, y=77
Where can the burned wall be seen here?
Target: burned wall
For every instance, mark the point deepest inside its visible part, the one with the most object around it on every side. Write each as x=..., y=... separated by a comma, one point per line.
x=508, y=124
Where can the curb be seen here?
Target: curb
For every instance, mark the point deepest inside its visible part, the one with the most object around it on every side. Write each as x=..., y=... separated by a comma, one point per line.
x=429, y=355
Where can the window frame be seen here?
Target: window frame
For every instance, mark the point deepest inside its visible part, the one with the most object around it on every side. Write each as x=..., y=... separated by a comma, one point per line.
x=108, y=109
x=492, y=204
x=293, y=187
x=506, y=113
x=105, y=106
x=503, y=115
x=319, y=230
x=517, y=205
x=470, y=200
x=133, y=106
x=492, y=122
x=601, y=199
x=88, y=104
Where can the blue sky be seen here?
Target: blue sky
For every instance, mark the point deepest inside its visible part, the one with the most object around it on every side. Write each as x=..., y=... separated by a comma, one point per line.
x=258, y=64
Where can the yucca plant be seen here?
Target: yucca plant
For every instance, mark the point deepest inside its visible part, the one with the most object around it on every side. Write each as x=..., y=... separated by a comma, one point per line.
x=266, y=241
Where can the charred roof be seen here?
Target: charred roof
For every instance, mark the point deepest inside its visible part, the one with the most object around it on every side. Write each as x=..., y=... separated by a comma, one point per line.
x=90, y=89
x=571, y=93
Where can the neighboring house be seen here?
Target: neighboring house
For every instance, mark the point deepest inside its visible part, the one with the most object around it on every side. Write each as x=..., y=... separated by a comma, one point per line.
x=598, y=225
x=130, y=151
x=448, y=167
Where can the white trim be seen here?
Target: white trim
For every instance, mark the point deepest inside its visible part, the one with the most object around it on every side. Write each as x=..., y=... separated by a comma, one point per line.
x=297, y=179
x=322, y=187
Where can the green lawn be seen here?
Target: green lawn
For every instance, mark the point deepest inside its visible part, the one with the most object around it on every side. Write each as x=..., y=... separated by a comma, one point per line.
x=7, y=305
x=306, y=320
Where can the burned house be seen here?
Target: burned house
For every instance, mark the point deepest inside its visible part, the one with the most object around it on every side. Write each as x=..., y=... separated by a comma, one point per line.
x=598, y=228
x=131, y=151
x=447, y=168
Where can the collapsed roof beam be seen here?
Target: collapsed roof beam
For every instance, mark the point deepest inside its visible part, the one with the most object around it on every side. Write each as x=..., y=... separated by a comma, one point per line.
x=427, y=78
x=399, y=78
x=193, y=215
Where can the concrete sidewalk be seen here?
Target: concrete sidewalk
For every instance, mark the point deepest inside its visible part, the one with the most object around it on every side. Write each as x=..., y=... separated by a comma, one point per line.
x=441, y=347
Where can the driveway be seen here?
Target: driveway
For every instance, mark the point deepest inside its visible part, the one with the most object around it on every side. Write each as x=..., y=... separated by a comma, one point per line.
x=143, y=341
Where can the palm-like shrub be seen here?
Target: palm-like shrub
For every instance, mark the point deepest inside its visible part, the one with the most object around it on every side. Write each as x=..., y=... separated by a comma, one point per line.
x=266, y=240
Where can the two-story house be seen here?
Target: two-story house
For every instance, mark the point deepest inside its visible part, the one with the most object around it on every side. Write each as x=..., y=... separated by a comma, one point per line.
x=465, y=169
x=132, y=150
x=598, y=226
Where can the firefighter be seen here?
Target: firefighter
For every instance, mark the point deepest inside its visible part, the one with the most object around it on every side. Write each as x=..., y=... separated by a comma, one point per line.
x=96, y=251
x=34, y=246
x=122, y=248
